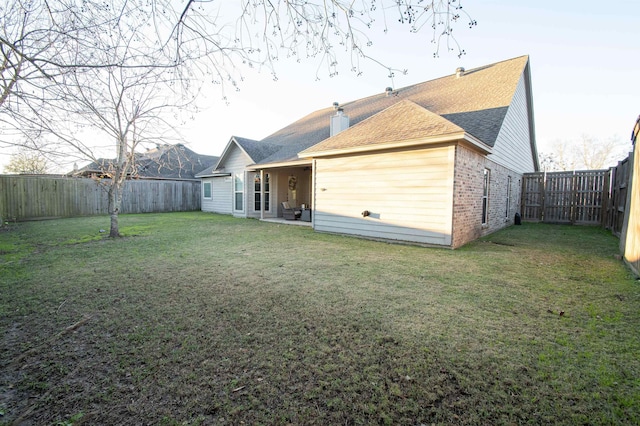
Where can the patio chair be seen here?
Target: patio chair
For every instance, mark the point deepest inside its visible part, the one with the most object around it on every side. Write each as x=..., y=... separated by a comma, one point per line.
x=290, y=213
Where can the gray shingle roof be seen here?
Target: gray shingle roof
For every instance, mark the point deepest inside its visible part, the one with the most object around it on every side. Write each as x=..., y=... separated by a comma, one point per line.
x=402, y=121
x=476, y=102
x=257, y=150
x=163, y=162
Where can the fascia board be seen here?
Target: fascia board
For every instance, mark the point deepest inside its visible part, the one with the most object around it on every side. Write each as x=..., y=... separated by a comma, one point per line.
x=453, y=137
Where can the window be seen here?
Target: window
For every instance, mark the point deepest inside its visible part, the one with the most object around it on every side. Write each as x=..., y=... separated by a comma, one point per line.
x=485, y=197
x=508, y=207
x=238, y=191
x=257, y=201
x=206, y=190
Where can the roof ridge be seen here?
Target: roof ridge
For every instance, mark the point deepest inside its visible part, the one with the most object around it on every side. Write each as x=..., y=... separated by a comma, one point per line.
x=410, y=86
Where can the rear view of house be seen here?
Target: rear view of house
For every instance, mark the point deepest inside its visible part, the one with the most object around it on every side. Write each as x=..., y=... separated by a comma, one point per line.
x=436, y=163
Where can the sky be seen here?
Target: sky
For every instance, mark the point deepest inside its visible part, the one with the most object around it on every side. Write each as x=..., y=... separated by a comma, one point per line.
x=584, y=56
x=585, y=65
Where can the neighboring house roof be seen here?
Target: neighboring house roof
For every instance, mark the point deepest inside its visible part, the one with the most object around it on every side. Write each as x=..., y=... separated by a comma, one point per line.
x=474, y=103
x=163, y=162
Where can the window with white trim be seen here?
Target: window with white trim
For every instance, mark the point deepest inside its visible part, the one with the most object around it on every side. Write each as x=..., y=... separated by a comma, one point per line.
x=206, y=190
x=508, y=207
x=485, y=196
x=238, y=192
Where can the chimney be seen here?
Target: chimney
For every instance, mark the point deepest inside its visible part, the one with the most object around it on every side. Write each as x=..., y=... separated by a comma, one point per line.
x=338, y=123
x=459, y=72
x=389, y=91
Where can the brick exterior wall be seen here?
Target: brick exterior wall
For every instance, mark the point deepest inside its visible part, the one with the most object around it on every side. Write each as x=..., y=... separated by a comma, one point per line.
x=467, y=199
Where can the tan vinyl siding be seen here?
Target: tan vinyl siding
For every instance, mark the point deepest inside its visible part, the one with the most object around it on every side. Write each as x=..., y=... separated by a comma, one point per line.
x=408, y=194
x=512, y=148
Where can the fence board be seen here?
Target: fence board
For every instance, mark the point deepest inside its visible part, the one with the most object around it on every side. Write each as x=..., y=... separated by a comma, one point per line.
x=532, y=197
x=619, y=189
x=575, y=197
x=38, y=197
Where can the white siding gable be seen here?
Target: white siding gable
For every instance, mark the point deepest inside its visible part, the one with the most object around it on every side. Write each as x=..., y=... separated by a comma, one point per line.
x=235, y=161
x=512, y=148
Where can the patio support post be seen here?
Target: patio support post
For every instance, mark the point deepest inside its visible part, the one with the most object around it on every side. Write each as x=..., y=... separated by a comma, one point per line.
x=262, y=200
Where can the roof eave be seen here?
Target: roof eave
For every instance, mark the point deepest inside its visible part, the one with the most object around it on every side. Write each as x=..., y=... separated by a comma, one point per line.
x=432, y=140
x=530, y=116
x=477, y=144
x=213, y=173
x=280, y=165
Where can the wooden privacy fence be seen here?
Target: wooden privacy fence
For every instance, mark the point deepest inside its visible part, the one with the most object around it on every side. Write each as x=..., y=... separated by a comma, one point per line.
x=630, y=195
x=577, y=197
x=620, y=180
x=39, y=197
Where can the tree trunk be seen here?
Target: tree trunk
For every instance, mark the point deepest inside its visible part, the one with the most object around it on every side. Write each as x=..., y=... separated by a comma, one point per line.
x=118, y=179
x=114, y=207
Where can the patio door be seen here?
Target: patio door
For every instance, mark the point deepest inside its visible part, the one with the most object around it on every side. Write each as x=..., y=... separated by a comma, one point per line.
x=257, y=191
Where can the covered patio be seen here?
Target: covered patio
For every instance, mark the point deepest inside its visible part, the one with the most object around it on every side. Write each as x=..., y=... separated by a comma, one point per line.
x=285, y=183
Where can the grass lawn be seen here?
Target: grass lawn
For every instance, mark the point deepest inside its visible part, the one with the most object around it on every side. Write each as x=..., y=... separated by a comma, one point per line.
x=195, y=318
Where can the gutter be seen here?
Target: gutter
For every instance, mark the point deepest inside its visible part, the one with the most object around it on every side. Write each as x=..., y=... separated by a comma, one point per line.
x=462, y=136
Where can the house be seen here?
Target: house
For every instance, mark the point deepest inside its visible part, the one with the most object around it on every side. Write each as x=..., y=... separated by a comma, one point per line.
x=436, y=163
x=174, y=162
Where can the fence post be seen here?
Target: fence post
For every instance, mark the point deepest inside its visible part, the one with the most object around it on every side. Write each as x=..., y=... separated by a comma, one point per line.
x=609, y=178
x=543, y=193
x=574, y=198
x=523, y=200
x=1, y=204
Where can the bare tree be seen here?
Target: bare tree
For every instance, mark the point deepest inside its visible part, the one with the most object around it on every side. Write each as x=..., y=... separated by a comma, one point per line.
x=550, y=162
x=111, y=110
x=586, y=152
x=85, y=78
x=594, y=153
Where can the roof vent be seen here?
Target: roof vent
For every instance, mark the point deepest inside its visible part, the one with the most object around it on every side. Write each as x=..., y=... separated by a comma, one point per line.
x=459, y=72
x=389, y=91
